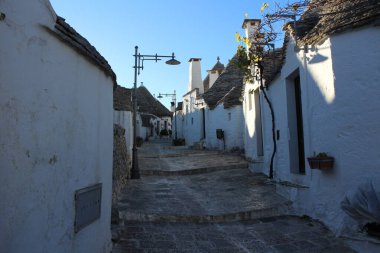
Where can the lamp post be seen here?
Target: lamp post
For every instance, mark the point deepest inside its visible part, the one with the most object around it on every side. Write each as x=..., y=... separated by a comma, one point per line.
x=160, y=95
x=139, y=64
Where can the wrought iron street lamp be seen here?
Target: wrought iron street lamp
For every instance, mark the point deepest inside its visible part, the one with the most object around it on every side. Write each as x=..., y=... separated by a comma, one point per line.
x=139, y=64
x=160, y=95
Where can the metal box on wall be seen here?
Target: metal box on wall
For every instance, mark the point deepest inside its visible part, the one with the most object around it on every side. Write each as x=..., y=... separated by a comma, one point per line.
x=87, y=206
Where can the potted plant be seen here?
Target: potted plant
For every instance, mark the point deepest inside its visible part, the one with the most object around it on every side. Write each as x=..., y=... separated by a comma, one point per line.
x=321, y=161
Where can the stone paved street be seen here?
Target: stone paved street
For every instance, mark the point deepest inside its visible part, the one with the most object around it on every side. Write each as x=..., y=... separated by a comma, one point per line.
x=208, y=201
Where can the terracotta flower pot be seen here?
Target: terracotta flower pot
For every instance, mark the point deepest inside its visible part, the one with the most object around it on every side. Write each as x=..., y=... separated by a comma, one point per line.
x=321, y=163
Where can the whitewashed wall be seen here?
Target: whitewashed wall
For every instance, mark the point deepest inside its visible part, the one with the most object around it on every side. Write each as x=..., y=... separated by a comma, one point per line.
x=339, y=86
x=169, y=123
x=179, y=120
x=140, y=130
x=192, y=127
x=250, y=133
x=56, y=136
x=232, y=126
x=124, y=119
x=192, y=118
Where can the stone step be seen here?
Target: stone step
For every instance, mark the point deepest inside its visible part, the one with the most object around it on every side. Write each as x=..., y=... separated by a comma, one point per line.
x=282, y=209
x=227, y=195
x=194, y=171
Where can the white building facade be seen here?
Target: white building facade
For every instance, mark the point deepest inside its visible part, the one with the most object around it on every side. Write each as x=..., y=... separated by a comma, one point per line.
x=224, y=112
x=56, y=135
x=325, y=99
x=192, y=116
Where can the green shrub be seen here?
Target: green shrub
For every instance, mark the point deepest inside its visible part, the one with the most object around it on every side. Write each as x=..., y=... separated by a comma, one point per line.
x=139, y=141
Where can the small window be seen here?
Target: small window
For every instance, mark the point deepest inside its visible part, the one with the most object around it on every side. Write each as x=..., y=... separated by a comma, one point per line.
x=229, y=116
x=192, y=120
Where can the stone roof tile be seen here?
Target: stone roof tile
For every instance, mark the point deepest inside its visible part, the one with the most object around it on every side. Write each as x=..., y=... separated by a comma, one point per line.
x=148, y=104
x=335, y=16
x=122, y=99
x=227, y=88
x=69, y=35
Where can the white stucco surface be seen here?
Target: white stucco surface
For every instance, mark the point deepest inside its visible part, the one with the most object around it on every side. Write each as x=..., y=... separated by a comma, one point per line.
x=56, y=136
x=178, y=120
x=230, y=121
x=339, y=88
x=191, y=123
x=195, y=75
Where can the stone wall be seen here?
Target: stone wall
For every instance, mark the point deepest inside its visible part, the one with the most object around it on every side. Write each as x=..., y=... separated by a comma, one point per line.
x=121, y=168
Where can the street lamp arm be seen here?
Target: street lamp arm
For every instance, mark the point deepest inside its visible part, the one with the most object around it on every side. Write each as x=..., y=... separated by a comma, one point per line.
x=166, y=94
x=155, y=56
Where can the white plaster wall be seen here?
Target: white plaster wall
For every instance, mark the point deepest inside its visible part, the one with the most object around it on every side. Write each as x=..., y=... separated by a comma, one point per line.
x=350, y=105
x=250, y=133
x=144, y=132
x=192, y=121
x=124, y=119
x=195, y=75
x=169, y=123
x=339, y=86
x=213, y=75
x=192, y=131
x=179, y=120
x=233, y=128
x=140, y=131
x=56, y=136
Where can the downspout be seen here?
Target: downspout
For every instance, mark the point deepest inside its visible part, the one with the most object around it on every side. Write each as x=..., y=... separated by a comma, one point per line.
x=262, y=88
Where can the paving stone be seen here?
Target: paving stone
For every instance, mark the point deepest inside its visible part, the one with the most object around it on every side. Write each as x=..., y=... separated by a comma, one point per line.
x=257, y=246
x=214, y=211
x=286, y=248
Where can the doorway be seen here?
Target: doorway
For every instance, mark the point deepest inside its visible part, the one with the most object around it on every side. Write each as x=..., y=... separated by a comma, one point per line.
x=203, y=124
x=295, y=124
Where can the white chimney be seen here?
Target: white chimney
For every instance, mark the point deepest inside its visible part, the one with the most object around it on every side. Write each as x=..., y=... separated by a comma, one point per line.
x=195, y=78
x=213, y=75
x=250, y=26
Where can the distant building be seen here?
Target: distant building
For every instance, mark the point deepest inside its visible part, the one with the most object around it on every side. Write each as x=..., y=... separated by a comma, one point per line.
x=122, y=104
x=153, y=116
x=212, y=105
x=56, y=134
x=224, y=110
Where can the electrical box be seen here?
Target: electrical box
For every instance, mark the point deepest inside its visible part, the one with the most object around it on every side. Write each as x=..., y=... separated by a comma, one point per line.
x=87, y=206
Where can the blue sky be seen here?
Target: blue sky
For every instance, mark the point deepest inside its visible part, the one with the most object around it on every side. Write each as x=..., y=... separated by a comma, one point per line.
x=196, y=28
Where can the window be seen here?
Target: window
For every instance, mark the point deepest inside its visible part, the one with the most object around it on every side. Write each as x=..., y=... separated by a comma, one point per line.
x=192, y=120
x=229, y=116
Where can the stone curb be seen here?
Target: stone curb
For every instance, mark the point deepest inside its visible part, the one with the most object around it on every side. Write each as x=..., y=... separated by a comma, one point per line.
x=192, y=171
x=280, y=210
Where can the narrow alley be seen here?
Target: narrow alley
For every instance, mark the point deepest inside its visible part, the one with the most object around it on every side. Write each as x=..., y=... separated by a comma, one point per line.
x=208, y=201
